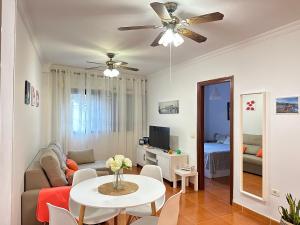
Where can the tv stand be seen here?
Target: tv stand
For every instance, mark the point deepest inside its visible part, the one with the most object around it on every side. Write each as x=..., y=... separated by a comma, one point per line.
x=147, y=155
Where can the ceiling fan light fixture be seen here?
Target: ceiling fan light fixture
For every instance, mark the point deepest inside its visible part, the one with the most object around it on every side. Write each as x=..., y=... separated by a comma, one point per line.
x=170, y=37
x=111, y=73
x=177, y=40
x=115, y=73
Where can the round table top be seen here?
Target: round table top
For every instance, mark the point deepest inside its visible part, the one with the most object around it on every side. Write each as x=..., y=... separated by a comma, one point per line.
x=86, y=193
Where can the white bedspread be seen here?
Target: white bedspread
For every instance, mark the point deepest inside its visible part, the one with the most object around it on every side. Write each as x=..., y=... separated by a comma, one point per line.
x=215, y=147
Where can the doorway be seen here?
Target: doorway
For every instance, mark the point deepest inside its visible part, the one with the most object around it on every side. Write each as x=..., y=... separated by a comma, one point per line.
x=210, y=162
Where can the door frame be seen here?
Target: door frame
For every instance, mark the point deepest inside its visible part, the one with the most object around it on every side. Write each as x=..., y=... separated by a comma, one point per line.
x=200, y=129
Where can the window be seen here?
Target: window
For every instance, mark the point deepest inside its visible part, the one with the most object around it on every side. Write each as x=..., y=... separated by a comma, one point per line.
x=79, y=111
x=96, y=111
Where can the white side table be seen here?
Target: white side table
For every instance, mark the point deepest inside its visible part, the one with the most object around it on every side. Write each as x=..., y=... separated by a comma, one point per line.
x=185, y=175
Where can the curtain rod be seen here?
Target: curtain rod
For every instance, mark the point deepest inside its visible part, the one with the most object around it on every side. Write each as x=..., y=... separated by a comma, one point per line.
x=98, y=75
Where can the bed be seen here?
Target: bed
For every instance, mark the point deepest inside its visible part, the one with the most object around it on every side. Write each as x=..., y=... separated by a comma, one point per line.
x=216, y=160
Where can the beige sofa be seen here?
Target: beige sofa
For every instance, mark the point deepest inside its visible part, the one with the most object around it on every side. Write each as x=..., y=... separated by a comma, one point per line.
x=36, y=178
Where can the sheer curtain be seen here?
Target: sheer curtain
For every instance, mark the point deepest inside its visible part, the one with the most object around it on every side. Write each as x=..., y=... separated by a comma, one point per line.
x=93, y=111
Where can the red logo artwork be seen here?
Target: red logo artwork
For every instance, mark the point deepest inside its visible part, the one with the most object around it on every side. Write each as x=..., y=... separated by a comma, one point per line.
x=250, y=105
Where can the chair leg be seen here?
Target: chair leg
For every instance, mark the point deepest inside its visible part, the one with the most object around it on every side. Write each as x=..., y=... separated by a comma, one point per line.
x=115, y=220
x=129, y=220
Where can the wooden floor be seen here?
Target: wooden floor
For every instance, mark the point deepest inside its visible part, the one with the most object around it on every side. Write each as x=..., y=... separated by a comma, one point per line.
x=252, y=183
x=210, y=207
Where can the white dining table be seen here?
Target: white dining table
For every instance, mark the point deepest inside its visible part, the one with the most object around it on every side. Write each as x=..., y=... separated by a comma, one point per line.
x=86, y=194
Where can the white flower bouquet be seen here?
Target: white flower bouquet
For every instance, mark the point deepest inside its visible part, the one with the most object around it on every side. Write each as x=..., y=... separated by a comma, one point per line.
x=116, y=164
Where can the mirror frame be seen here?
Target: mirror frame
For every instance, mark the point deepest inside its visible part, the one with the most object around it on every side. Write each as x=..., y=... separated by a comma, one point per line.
x=264, y=146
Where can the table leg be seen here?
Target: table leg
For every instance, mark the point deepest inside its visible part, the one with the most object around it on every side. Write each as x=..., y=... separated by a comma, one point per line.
x=187, y=181
x=81, y=214
x=153, y=209
x=196, y=183
x=175, y=181
x=183, y=184
x=122, y=217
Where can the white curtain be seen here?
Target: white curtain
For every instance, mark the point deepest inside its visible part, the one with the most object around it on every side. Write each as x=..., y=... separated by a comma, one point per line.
x=93, y=111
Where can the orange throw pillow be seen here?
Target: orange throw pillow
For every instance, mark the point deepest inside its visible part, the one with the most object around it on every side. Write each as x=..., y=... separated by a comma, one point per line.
x=259, y=153
x=69, y=175
x=244, y=149
x=71, y=164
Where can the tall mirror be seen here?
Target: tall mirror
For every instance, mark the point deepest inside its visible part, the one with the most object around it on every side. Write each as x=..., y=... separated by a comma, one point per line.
x=253, y=143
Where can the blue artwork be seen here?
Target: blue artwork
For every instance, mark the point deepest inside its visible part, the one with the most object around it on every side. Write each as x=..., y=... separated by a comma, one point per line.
x=287, y=105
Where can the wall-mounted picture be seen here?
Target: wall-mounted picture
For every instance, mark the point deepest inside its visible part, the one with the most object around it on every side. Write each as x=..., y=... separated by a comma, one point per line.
x=171, y=107
x=27, y=93
x=37, y=98
x=287, y=105
x=32, y=96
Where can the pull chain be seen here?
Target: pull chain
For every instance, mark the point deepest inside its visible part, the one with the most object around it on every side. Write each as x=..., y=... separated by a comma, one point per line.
x=170, y=62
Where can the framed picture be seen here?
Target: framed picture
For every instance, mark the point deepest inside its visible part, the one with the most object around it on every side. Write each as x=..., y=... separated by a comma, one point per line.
x=37, y=98
x=27, y=92
x=171, y=107
x=288, y=105
x=32, y=96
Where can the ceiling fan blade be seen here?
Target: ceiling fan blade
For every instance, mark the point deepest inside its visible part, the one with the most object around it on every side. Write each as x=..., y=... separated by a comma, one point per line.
x=192, y=35
x=205, y=18
x=120, y=63
x=93, y=68
x=129, y=68
x=161, y=10
x=156, y=40
x=95, y=63
x=138, y=27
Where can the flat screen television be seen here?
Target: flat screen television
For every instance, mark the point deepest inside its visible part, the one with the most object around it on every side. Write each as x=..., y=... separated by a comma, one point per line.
x=159, y=137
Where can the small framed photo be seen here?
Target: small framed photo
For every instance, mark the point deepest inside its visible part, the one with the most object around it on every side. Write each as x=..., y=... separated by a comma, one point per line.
x=287, y=105
x=32, y=96
x=27, y=92
x=37, y=98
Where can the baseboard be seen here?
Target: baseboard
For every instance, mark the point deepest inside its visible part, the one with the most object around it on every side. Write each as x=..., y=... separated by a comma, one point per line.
x=262, y=218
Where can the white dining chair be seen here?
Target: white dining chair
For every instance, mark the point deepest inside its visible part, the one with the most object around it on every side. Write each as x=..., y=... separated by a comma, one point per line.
x=146, y=210
x=168, y=216
x=59, y=216
x=92, y=215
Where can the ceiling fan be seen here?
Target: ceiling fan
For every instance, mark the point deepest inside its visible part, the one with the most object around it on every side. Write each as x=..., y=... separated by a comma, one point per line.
x=174, y=26
x=111, y=66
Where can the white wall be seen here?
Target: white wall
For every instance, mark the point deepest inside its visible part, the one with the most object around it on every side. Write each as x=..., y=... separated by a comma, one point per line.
x=6, y=108
x=268, y=63
x=29, y=133
x=215, y=115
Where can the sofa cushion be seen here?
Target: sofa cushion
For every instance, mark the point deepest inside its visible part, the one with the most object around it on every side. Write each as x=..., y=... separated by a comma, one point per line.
x=60, y=154
x=252, y=159
x=50, y=163
x=251, y=139
x=82, y=157
x=252, y=149
x=97, y=165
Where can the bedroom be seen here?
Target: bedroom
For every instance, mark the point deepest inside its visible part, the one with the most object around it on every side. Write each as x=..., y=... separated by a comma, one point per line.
x=217, y=139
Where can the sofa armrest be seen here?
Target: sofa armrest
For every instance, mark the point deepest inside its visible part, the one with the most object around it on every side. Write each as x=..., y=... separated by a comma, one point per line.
x=29, y=203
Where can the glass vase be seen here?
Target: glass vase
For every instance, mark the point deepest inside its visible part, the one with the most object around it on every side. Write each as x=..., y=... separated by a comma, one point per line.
x=118, y=178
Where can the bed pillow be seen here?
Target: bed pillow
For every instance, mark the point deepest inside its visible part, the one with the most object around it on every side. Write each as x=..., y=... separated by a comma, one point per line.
x=220, y=138
x=227, y=141
x=252, y=149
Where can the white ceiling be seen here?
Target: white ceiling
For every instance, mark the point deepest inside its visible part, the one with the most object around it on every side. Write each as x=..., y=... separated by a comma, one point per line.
x=71, y=32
